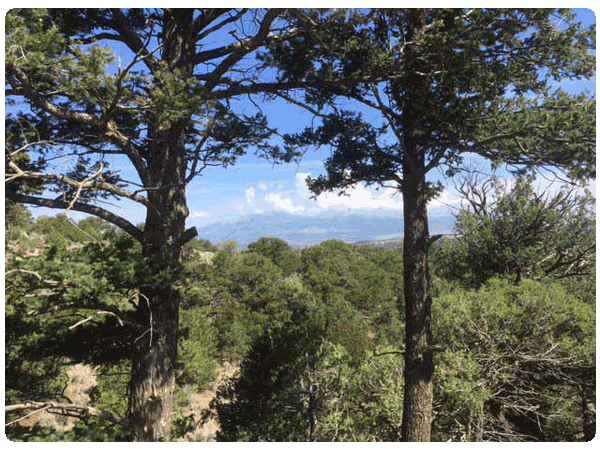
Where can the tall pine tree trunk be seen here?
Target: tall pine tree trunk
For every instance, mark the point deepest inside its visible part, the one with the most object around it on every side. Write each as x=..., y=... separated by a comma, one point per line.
x=153, y=368
x=417, y=412
x=154, y=356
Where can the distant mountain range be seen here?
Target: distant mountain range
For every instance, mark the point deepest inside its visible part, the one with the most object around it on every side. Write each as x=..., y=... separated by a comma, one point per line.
x=302, y=231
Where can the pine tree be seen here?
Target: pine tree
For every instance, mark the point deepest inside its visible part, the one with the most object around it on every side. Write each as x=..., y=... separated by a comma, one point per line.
x=520, y=232
x=449, y=82
x=161, y=105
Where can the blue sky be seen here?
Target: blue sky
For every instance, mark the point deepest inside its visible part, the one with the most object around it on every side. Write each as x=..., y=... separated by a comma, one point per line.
x=254, y=186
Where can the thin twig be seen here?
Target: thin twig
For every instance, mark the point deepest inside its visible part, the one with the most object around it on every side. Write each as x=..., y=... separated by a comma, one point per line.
x=30, y=414
x=151, y=329
x=97, y=313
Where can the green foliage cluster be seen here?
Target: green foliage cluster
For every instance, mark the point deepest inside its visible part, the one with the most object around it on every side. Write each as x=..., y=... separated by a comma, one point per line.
x=519, y=362
x=50, y=301
x=515, y=308
x=248, y=292
x=197, y=349
x=316, y=392
x=520, y=233
x=300, y=382
x=519, y=354
x=27, y=234
x=493, y=94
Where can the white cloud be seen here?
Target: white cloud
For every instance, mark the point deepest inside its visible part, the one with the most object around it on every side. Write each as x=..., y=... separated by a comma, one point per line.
x=246, y=205
x=285, y=204
x=358, y=197
x=362, y=197
x=301, y=185
x=292, y=195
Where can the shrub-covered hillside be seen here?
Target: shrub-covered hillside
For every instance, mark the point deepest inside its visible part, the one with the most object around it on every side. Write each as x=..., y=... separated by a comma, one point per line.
x=317, y=335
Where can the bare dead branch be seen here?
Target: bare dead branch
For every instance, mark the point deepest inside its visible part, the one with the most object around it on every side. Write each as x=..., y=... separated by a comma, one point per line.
x=92, y=182
x=44, y=281
x=65, y=409
x=96, y=314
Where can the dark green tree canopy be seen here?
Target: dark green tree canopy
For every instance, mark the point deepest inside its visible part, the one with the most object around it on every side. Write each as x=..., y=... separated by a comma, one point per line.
x=520, y=232
x=466, y=81
x=153, y=89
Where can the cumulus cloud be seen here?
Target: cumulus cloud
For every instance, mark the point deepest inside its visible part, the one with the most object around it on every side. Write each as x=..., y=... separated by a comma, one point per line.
x=362, y=197
x=284, y=204
x=247, y=205
x=358, y=197
x=301, y=186
x=294, y=197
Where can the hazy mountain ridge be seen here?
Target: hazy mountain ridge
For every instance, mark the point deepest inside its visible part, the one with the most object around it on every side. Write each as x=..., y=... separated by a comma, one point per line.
x=301, y=231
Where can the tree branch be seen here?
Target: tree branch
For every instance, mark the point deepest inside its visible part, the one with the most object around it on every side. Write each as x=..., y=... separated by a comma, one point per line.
x=132, y=40
x=86, y=184
x=392, y=352
x=79, y=411
x=52, y=283
x=203, y=20
x=103, y=125
x=97, y=313
x=29, y=91
x=187, y=236
x=310, y=109
x=101, y=308
x=119, y=221
x=243, y=49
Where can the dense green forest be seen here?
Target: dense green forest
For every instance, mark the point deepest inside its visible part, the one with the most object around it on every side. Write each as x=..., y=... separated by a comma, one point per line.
x=314, y=332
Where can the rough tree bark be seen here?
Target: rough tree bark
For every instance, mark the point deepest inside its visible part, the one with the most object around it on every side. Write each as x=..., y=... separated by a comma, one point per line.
x=154, y=355
x=418, y=372
x=417, y=413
